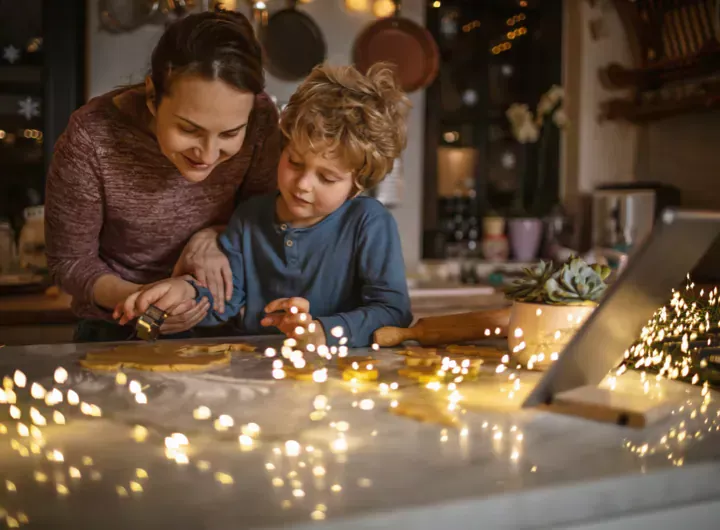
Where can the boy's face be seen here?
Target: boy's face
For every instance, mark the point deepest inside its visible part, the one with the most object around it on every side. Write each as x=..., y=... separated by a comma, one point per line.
x=311, y=185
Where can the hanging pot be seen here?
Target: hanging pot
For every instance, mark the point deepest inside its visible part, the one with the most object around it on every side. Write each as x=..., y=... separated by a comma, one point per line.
x=403, y=43
x=118, y=16
x=292, y=44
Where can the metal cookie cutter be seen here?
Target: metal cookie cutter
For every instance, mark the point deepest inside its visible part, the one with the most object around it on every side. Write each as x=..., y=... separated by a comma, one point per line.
x=148, y=325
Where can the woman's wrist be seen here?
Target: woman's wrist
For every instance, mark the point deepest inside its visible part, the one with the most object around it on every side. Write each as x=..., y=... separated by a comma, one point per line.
x=206, y=234
x=109, y=290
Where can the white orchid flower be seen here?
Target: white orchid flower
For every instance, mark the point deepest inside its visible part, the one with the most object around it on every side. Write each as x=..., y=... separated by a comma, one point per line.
x=528, y=132
x=555, y=94
x=560, y=118
x=545, y=105
x=517, y=114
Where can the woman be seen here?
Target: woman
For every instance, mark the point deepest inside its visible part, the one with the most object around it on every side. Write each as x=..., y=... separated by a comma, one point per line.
x=144, y=178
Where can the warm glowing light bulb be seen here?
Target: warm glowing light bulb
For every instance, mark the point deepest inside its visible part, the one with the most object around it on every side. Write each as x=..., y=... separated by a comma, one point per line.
x=359, y=6
x=383, y=8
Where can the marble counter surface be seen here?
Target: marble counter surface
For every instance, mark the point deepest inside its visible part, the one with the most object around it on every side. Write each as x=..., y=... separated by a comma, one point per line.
x=332, y=453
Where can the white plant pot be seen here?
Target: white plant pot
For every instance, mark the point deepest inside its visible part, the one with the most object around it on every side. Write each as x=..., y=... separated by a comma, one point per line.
x=538, y=332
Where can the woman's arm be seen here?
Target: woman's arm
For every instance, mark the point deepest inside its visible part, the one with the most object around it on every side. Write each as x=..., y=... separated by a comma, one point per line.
x=73, y=221
x=110, y=289
x=203, y=259
x=231, y=245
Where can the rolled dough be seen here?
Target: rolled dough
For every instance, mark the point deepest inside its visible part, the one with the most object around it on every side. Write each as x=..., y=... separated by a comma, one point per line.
x=163, y=357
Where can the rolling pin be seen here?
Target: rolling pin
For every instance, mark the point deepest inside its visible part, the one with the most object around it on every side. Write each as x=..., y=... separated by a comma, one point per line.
x=448, y=329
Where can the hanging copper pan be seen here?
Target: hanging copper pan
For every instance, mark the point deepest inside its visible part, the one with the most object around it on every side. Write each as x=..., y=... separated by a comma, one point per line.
x=403, y=43
x=292, y=44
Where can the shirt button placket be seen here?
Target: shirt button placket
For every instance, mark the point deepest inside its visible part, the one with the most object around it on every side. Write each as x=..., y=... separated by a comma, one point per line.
x=290, y=246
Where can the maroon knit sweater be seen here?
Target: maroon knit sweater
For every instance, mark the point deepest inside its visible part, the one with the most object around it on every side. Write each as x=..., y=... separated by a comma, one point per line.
x=116, y=205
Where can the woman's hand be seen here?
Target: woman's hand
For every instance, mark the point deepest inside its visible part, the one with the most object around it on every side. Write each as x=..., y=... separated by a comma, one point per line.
x=292, y=317
x=203, y=259
x=172, y=296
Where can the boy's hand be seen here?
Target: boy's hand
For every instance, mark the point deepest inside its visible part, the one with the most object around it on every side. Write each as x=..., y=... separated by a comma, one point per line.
x=292, y=317
x=185, y=316
x=170, y=295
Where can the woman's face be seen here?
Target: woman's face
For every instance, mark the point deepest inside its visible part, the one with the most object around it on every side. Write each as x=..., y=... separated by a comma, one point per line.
x=200, y=124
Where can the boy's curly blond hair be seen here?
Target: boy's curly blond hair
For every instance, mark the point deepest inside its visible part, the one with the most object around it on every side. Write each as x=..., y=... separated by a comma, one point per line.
x=359, y=119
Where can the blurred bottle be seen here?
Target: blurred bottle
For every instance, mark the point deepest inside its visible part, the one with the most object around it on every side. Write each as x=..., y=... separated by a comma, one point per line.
x=8, y=250
x=495, y=244
x=390, y=190
x=32, y=240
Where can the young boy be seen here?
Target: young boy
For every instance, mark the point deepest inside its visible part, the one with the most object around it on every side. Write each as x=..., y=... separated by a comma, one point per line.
x=315, y=256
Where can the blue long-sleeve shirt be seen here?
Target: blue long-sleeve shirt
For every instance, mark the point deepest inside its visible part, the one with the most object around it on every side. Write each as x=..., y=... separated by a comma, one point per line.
x=349, y=266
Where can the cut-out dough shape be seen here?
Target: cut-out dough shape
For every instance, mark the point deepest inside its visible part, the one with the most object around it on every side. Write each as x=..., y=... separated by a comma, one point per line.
x=417, y=351
x=425, y=412
x=485, y=352
x=423, y=374
x=423, y=361
x=163, y=357
x=361, y=374
x=361, y=360
x=300, y=374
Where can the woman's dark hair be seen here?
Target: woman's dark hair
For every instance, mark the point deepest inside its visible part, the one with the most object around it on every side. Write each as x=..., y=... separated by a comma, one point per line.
x=215, y=45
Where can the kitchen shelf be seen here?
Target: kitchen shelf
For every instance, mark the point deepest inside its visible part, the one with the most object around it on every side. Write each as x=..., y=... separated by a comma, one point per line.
x=704, y=64
x=620, y=109
x=677, y=65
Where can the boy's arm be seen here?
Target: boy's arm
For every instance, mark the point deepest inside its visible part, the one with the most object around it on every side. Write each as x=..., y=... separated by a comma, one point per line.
x=384, y=293
x=230, y=242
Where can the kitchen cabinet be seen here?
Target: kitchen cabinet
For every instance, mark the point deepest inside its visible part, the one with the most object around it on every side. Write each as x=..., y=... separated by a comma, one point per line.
x=494, y=54
x=42, y=46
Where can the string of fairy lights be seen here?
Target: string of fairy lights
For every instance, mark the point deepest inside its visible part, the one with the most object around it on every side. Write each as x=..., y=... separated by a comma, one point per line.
x=434, y=386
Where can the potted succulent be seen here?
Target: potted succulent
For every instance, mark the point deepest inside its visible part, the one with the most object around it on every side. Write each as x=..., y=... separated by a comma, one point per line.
x=549, y=305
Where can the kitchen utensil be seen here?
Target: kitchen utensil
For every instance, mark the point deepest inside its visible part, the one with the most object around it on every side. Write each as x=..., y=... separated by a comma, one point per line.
x=693, y=16
x=119, y=16
x=705, y=19
x=448, y=329
x=624, y=214
x=403, y=43
x=148, y=325
x=292, y=44
x=175, y=9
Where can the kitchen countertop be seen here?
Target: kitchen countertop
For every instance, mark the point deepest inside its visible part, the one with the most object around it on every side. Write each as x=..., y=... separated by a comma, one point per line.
x=40, y=309
x=355, y=464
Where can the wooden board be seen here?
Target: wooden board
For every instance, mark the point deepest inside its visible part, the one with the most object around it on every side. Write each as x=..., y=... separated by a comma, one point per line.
x=611, y=406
